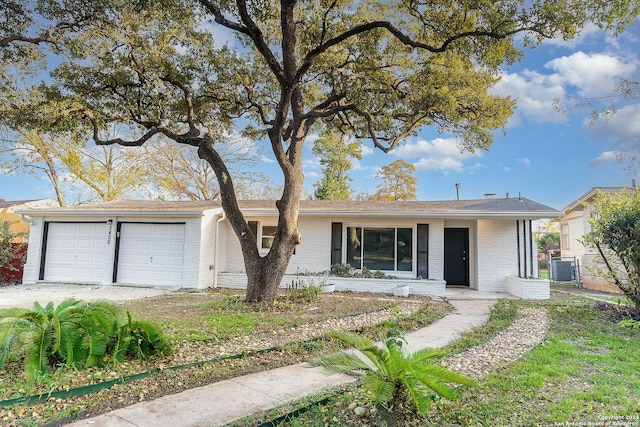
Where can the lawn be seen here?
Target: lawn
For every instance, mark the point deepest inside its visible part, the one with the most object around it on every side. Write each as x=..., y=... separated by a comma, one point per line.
x=585, y=373
x=215, y=336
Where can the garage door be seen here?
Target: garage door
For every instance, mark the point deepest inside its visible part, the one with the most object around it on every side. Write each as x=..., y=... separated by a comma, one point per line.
x=151, y=254
x=75, y=252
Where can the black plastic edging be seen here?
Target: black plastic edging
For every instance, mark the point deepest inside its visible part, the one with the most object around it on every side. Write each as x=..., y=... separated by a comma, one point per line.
x=93, y=388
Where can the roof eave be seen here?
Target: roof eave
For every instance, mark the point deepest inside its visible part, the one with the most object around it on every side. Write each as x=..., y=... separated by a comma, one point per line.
x=408, y=213
x=114, y=213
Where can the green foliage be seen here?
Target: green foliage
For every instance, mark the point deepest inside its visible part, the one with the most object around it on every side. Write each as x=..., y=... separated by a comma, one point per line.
x=398, y=182
x=547, y=242
x=396, y=375
x=630, y=323
x=616, y=236
x=335, y=155
x=302, y=291
x=345, y=270
x=76, y=334
x=11, y=251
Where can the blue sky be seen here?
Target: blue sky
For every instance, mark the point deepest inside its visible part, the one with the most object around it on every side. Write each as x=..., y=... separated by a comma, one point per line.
x=545, y=155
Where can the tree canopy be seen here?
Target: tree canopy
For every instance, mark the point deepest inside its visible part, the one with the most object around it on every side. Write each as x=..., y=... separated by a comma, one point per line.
x=377, y=70
x=335, y=154
x=616, y=236
x=398, y=182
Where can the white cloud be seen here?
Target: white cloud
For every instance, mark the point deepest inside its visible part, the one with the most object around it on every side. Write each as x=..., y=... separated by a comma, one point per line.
x=507, y=169
x=590, y=29
x=606, y=157
x=439, y=154
x=265, y=159
x=525, y=161
x=622, y=127
x=535, y=94
x=365, y=150
x=593, y=74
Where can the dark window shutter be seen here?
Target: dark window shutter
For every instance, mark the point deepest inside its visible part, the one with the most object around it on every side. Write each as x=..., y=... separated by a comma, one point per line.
x=336, y=243
x=423, y=251
x=253, y=226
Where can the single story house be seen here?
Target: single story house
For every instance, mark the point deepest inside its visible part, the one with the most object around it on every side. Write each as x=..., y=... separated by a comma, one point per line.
x=473, y=243
x=574, y=224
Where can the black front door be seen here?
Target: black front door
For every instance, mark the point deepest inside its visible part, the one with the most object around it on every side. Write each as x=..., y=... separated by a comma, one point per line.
x=456, y=256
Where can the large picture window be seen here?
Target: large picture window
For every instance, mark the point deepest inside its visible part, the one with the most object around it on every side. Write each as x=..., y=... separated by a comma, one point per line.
x=387, y=248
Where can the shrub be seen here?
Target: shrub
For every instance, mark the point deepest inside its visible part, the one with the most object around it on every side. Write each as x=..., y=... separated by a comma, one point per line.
x=76, y=334
x=396, y=375
x=618, y=312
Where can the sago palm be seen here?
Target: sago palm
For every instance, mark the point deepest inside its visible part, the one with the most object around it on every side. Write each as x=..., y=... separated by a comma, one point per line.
x=395, y=374
x=75, y=333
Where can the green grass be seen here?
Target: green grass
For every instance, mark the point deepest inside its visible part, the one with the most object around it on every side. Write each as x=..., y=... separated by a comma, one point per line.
x=585, y=372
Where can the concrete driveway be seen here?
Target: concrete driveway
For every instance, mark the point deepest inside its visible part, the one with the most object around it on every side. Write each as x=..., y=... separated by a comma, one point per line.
x=26, y=295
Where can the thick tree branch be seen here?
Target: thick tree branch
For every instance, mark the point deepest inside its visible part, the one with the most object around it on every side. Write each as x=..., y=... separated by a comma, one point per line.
x=405, y=39
x=249, y=29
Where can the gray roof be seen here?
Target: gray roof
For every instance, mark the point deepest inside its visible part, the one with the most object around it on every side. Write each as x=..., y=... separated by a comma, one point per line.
x=493, y=207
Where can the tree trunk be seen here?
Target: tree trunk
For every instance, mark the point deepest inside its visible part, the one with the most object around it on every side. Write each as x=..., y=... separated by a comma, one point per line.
x=264, y=274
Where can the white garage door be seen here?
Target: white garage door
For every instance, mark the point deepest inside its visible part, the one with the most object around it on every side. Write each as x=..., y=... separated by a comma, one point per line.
x=151, y=254
x=75, y=252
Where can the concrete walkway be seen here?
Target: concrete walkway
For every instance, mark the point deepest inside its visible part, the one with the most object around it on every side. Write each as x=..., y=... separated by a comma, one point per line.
x=230, y=400
x=26, y=295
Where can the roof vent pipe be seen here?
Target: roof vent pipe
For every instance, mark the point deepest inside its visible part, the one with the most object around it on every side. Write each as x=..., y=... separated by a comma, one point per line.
x=520, y=197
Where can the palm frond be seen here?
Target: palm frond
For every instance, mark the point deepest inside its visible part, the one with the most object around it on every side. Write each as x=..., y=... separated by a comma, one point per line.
x=425, y=354
x=340, y=362
x=445, y=375
x=381, y=389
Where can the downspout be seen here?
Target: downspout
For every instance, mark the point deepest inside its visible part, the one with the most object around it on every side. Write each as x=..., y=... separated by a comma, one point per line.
x=26, y=218
x=518, y=245
x=216, y=249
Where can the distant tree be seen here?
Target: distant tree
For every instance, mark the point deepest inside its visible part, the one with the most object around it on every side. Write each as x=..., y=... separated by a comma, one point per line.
x=93, y=173
x=548, y=242
x=398, y=182
x=335, y=154
x=176, y=172
x=616, y=236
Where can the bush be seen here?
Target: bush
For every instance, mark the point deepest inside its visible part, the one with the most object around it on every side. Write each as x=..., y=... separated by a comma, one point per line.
x=345, y=270
x=618, y=312
x=12, y=254
x=76, y=334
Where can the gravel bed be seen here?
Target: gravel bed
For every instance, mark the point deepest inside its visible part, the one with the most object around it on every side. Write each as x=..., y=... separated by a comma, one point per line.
x=528, y=330
x=199, y=350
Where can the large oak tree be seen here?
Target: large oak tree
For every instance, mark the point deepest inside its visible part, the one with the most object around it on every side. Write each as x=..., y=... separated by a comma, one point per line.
x=377, y=70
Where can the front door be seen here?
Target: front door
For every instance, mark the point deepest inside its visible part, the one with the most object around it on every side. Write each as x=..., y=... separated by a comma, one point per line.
x=456, y=256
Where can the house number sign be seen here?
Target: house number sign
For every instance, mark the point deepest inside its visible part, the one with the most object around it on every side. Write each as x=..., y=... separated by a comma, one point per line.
x=109, y=232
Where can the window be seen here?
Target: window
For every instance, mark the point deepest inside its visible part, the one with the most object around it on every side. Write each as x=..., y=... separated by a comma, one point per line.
x=386, y=248
x=268, y=234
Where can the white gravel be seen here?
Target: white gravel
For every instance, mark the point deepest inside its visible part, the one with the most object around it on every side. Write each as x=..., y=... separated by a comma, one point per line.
x=528, y=330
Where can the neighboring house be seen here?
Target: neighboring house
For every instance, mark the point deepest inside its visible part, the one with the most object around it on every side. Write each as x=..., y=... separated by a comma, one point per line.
x=11, y=220
x=474, y=243
x=573, y=226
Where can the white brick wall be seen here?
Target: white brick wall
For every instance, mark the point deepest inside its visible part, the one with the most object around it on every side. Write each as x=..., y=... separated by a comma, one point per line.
x=383, y=286
x=496, y=254
x=529, y=288
x=314, y=253
x=32, y=265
